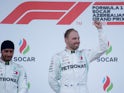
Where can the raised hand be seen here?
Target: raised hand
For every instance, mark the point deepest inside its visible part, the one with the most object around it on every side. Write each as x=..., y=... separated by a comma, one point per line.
x=98, y=24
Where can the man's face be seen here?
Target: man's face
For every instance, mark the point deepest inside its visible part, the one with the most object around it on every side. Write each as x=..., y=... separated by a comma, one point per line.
x=72, y=41
x=7, y=54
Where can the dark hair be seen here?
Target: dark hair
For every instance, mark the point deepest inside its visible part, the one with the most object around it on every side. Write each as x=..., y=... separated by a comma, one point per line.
x=68, y=32
x=7, y=44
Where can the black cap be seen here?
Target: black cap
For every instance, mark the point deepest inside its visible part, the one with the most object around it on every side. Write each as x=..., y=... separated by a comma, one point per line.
x=7, y=44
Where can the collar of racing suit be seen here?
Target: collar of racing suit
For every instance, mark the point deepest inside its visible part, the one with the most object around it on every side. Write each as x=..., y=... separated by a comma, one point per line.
x=71, y=51
x=5, y=63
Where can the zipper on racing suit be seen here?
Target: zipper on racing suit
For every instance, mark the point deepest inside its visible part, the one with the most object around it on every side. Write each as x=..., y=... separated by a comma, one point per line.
x=5, y=84
x=5, y=77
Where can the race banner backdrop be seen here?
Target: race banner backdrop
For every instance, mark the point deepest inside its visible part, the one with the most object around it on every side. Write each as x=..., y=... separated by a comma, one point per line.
x=37, y=29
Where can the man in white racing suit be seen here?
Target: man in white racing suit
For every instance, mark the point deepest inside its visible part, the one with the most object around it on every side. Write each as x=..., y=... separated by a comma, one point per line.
x=13, y=77
x=69, y=69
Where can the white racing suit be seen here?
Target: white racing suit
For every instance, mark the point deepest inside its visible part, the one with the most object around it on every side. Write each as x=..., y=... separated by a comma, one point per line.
x=13, y=78
x=68, y=71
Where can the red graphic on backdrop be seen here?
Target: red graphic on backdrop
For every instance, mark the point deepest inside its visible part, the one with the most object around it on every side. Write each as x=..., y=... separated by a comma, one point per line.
x=109, y=3
x=65, y=12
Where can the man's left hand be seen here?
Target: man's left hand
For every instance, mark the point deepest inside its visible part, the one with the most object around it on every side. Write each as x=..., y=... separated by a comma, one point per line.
x=98, y=24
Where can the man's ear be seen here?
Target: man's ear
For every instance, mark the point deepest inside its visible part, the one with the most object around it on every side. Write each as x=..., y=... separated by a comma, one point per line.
x=66, y=40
